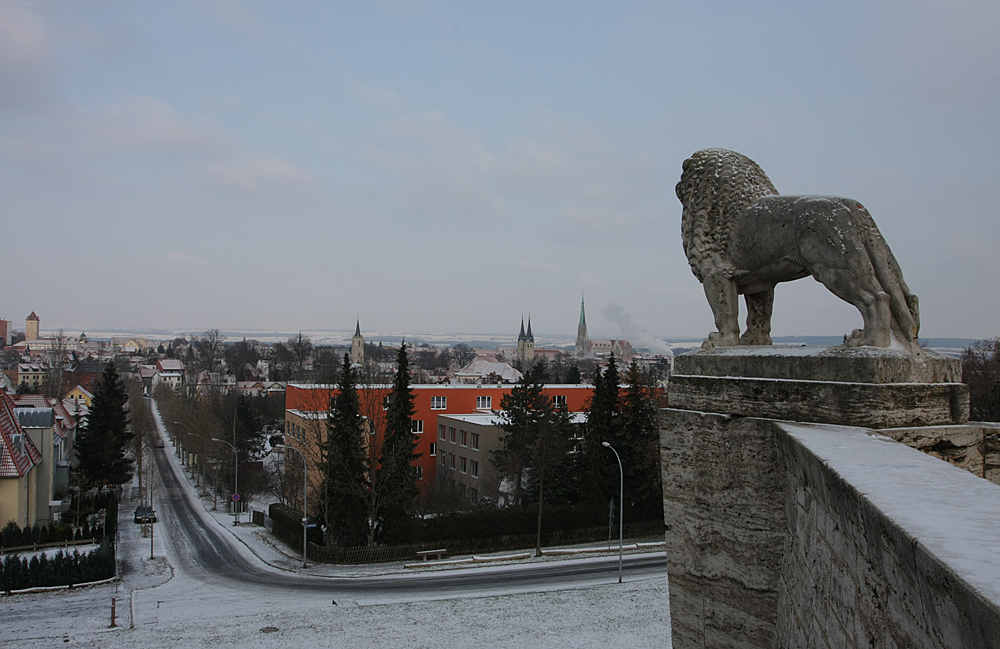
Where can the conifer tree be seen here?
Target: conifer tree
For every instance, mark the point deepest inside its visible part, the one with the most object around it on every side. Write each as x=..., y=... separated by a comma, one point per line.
x=604, y=424
x=643, y=493
x=535, y=443
x=104, y=436
x=399, y=445
x=342, y=462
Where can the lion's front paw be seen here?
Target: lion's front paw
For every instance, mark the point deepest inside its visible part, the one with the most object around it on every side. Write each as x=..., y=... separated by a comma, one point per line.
x=716, y=339
x=855, y=339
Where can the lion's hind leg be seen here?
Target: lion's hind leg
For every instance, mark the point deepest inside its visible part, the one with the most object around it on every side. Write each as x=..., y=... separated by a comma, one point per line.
x=759, y=307
x=863, y=291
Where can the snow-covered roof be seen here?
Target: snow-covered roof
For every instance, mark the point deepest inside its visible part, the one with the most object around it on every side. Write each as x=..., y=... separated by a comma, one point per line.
x=484, y=366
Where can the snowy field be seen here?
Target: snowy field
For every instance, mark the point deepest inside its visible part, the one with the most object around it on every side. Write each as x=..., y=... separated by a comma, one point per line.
x=628, y=615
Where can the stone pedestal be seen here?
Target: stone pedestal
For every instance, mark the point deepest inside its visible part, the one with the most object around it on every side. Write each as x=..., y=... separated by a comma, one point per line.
x=726, y=502
x=862, y=386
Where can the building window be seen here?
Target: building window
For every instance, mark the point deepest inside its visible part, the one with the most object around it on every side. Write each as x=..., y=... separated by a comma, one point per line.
x=474, y=468
x=559, y=401
x=417, y=426
x=385, y=403
x=441, y=431
x=451, y=431
x=434, y=449
x=465, y=438
x=462, y=466
x=420, y=473
x=475, y=494
x=439, y=403
x=443, y=459
x=451, y=460
x=484, y=403
x=475, y=440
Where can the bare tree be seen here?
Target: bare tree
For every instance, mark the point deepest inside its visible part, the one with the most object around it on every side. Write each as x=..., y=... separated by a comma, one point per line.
x=208, y=347
x=981, y=372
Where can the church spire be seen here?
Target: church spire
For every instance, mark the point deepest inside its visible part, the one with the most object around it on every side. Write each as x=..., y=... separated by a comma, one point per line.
x=582, y=339
x=528, y=335
x=520, y=336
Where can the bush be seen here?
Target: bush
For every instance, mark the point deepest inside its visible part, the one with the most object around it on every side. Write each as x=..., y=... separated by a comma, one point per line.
x=287, y=526
x=63, y=569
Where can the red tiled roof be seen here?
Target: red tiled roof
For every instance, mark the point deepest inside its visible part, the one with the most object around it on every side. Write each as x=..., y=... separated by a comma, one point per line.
x=13, y=463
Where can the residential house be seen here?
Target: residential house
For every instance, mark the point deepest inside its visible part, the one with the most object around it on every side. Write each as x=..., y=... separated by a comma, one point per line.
x=19, y=458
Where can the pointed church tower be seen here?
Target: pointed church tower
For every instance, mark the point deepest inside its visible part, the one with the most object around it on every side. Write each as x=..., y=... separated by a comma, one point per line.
x=582, y=339
x=525, y=345
x=358, y=346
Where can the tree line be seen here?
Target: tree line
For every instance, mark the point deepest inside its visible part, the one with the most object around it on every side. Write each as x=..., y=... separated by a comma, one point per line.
x=545, y=459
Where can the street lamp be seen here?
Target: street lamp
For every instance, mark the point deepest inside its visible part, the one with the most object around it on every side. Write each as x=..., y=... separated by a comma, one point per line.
x=621, y=507
x=236, y=480
x=305, y=515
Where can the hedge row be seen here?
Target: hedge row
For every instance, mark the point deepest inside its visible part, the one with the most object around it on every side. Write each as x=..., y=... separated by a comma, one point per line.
x=61, y=570
x=482, y=545
x=477, y=531
x=12, y=536
x=287, y=526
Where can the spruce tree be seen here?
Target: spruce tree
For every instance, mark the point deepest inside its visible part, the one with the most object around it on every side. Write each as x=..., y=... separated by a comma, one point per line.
x=104, y=436
x=343, y=463
x=399, y=445
x=603, y=425
x=643, y=494
x=535, y=444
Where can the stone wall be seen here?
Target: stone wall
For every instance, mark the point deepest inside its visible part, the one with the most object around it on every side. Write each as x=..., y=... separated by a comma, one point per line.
x=884, y=546
x=724, y=508
x=826, y=534
x=774, y=540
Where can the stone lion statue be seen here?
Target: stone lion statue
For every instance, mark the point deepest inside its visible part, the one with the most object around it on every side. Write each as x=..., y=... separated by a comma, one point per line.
x=741, y=237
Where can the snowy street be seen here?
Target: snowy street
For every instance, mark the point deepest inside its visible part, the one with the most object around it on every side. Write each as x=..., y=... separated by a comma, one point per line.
x=212, y=584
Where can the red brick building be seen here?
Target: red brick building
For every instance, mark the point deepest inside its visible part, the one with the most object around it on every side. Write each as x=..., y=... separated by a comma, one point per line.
x=306, y=406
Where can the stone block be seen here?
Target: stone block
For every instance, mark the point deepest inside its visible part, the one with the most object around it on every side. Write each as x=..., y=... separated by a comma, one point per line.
x=838, y=364
x=869, y=387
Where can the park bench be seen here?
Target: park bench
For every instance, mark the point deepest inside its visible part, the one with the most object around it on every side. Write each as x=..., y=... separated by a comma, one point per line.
x=435, y=554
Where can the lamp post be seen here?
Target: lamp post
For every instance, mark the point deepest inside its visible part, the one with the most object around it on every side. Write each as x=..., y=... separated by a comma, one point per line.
x=621, y=507
x=236, y=479
x=305, y=510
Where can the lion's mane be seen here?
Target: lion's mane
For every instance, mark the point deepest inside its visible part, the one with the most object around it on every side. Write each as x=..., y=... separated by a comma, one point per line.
x=716, y=187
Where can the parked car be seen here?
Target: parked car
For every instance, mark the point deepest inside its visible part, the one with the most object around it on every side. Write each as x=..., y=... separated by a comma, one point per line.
x=159, y=442
x=144, y=514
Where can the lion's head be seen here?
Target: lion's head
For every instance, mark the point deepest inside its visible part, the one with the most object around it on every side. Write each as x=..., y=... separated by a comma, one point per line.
x=716, y=186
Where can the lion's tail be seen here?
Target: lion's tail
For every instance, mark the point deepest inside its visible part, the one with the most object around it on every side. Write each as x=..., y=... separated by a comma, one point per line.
x=905, y=306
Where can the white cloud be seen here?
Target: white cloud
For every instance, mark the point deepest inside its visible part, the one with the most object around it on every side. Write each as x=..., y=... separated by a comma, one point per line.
x=187, y=260
x=574, y=175
x=256, y=174
x=142, y=122
x=25, y=58
x=377, y=96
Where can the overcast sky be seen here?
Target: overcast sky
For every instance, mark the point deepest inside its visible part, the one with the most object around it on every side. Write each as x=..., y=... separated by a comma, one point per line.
x=450, y=166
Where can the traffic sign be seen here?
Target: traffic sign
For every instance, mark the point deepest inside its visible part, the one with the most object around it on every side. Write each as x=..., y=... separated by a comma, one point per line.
x=236, y=496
